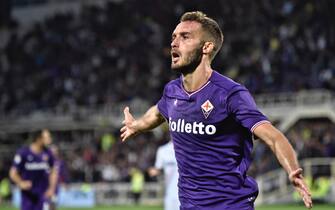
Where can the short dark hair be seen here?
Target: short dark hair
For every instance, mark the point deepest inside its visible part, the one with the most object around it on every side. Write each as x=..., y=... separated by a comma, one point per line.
x=210, y=26
x=35, y=135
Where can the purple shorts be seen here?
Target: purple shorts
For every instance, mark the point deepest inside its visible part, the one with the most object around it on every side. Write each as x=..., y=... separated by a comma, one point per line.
x=34, y=202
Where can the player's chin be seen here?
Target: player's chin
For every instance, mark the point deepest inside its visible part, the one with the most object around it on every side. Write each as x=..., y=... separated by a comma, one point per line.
x=176, y=67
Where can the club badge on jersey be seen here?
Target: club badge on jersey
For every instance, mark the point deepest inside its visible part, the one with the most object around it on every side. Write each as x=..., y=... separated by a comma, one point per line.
x=207, y=108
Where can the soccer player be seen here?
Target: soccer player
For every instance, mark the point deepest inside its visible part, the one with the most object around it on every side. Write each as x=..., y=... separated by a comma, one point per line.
x=212, y=121
x=34, y=173
x=166, y=161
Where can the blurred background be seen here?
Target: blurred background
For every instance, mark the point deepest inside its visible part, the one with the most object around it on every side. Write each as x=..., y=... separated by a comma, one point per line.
x=72, y=65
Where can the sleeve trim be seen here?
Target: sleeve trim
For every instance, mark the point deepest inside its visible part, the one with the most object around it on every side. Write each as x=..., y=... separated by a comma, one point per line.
x=258, y=124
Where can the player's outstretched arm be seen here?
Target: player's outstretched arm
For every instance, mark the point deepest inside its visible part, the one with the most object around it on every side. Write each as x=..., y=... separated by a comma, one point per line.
x=287, y=158
x=151, y=119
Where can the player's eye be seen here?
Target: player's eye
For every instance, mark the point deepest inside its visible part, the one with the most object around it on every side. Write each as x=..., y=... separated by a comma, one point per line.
x=185, y=36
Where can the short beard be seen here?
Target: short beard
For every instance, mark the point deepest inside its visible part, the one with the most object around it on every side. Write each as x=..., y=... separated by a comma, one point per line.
x=192, y=63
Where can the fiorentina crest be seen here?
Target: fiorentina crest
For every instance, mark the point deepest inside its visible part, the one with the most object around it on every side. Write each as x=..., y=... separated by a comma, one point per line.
x=207, y=108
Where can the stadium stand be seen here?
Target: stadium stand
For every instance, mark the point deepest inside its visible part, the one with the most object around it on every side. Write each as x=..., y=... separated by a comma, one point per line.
x=73, y=72
x=93, y=58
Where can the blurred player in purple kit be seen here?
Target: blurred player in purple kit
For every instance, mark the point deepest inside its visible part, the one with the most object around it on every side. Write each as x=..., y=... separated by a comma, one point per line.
x=34, y=173
x=212, y=121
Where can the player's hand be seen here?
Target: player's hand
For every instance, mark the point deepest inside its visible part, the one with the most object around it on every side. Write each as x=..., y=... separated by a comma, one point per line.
x=153, y=172
x=25, y=185
x=129, y=128
x=299, y=184
x=49, y=193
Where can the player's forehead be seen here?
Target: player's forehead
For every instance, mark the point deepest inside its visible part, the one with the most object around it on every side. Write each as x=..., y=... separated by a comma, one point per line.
x=189, y=27
x=46, y=133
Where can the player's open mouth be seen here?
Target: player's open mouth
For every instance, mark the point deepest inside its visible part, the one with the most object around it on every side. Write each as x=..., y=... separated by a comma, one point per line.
x=175, y=56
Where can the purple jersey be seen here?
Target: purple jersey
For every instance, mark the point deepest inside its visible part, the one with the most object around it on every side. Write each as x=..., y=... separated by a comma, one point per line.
x=35, y=168
x=212, y=130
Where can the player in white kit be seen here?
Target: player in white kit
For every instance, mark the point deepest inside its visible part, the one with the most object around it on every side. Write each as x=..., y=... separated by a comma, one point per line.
x=166, y=161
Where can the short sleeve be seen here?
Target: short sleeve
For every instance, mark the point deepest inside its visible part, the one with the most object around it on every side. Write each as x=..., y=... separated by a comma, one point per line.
x=51, y=159
x=162, y=106
x=18, y=161
x=242, y=105
x=159, y=159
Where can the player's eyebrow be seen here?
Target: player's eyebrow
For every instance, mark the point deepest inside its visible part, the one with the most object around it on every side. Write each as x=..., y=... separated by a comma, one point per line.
x=185, y=33
x=180, y=33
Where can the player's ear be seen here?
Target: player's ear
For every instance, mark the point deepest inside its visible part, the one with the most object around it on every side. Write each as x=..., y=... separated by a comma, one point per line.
x=208, y=47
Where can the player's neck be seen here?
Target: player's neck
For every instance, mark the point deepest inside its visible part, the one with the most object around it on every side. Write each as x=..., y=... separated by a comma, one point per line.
x=36, y=148
x=196, y=79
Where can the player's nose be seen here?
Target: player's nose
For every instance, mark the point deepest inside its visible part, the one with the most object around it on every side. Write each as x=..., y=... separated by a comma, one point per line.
x=174, y=43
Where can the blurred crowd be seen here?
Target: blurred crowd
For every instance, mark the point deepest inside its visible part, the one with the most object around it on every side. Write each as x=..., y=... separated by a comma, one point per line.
x=311, y=138
x=92, y=156
x=108, y=159
x=122, y=51
x=114, y=53
x=101, y=156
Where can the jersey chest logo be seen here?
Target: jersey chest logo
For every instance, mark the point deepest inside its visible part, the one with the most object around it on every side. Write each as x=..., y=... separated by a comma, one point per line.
x=207, y=108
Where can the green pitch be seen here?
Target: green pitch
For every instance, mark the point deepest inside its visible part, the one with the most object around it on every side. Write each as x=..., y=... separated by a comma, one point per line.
x=273, y=207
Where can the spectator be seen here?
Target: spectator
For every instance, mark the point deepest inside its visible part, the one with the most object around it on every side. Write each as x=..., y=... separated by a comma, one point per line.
x=285, y=46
